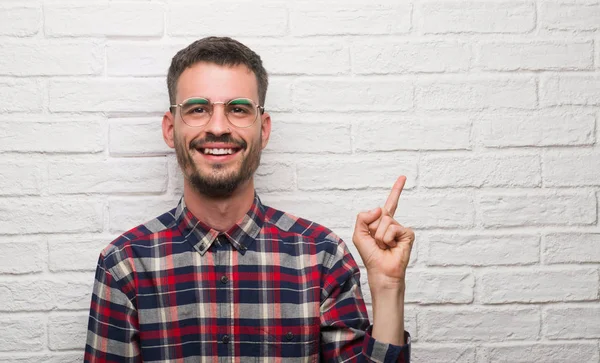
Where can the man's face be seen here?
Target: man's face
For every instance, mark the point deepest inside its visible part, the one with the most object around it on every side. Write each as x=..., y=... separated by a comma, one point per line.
x=200, y=149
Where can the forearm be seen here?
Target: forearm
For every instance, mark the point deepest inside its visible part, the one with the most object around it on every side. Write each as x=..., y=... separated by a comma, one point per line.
x=388, y=314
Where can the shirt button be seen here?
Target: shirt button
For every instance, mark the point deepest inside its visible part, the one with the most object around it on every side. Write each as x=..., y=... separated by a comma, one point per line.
x=289, y=336
x=224, y=279
x=225, y=339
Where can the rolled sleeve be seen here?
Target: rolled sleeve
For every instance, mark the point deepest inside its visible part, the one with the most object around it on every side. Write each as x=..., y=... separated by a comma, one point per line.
x=376, y=351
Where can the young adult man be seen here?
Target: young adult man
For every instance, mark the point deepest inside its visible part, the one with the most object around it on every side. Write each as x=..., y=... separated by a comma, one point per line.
x=223, y=277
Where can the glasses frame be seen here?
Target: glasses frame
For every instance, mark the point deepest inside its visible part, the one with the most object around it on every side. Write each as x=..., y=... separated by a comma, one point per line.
x=261, y=110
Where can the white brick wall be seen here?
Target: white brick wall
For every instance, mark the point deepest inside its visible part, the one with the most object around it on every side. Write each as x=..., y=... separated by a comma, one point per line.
x=491, y=108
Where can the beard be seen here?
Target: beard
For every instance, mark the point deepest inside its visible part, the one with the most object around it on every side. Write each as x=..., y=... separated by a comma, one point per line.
x=217, y=183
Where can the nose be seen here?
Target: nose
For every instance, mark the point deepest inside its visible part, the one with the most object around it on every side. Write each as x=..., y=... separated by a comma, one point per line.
x=218, y=123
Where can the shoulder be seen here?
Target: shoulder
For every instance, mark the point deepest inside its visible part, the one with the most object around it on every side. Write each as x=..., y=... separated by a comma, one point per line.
x=288, y=223
x=132, y=243
x=290, y=227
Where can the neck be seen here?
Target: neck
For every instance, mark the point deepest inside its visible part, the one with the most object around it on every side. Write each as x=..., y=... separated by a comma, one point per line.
x=219, y=214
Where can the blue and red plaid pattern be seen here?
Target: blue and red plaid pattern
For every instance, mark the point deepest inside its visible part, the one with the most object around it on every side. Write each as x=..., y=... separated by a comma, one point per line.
x=273, y=288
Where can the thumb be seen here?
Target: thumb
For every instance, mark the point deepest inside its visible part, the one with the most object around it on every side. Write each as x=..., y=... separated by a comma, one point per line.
x=365, y=218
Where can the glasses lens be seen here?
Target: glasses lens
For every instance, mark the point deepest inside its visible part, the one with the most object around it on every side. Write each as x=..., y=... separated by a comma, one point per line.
x=241, y=112
x=196, y=111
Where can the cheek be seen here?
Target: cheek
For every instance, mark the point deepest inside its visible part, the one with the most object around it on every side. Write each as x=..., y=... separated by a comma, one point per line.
x=180, y=139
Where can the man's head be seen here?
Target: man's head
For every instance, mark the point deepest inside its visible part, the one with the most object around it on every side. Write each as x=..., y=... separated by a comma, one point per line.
x=218, y=142
x=222, y=51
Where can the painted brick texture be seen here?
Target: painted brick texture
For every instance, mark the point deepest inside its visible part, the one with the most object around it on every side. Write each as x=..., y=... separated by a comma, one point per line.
x=491, y=108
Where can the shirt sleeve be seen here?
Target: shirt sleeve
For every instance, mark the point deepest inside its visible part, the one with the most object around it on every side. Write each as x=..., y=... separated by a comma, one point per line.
x=112, y=334
x=345, y=329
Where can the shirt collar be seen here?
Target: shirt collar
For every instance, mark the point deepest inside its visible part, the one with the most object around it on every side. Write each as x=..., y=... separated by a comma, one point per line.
x=242, y=235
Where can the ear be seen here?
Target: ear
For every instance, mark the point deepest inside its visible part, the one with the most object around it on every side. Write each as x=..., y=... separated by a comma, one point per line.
x=265, y=129
x=168, y=127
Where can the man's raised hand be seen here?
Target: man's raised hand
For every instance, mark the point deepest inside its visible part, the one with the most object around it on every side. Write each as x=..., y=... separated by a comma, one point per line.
x=383, y=243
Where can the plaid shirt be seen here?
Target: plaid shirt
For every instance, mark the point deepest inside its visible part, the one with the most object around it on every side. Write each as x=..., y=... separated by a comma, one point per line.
x=273, y=287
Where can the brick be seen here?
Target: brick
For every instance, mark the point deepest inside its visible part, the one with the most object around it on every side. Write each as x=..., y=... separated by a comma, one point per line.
x=108, y=95
x=439, y=287
x=67, y=331
x=542, y=128
x=137, y=137
x=23, y=257
x=537, y=209
x=439, y=17
x=474, y=93
x=148, y=175
x=423, y=211
x=20, y=95
x=540, y=352
x=22, y=333
x=67, y=357
x=316, y=58
x=443, y=133
x=84, y=136
x=20, y=19
x=410, y=321
x=383, y=57
x=21, y=178
x=21, y=215
x=442, y=353
x=338, y=208
x=538, y=285
x=572, y=168
x=140, y=58
x=75, y=253
x=43, y=294
x=279, y=95
x=350, y=173
x=569, y=16
x=232, y=19
x=51, y=58
x=337, y=18
x=479, y=171
x=323, y=136
x=571, y=248
x=275, y=177
x=478, y=324
x=451, y=249
x=103, y=18
x=536, y=55
x=570, y=89
x=572, y=322
x=597, y=47
x=126, y=213
x=357, y=94
x=333, y=210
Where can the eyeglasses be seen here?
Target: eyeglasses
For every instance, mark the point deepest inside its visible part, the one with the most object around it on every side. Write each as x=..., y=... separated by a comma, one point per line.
x=240, y=112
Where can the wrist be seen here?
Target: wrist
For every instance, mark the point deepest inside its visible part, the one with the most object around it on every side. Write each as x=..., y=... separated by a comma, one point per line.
x=388, y=315
x=386, y=286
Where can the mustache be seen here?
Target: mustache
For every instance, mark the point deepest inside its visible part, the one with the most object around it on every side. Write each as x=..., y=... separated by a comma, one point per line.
x=226, y=138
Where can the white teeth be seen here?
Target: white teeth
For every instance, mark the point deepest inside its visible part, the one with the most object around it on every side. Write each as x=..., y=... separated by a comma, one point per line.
x=218, y=151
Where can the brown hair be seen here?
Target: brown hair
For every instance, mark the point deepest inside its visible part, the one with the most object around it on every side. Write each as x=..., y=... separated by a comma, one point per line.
x=222, y=51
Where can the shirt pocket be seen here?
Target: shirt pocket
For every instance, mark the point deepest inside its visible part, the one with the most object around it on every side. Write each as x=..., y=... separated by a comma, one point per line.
x=287, y=345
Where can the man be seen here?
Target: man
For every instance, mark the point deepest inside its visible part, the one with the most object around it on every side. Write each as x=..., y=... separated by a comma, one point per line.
x=222, y=277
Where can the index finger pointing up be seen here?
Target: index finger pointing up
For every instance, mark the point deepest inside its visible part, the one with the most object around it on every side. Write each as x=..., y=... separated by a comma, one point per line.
x=392, y=201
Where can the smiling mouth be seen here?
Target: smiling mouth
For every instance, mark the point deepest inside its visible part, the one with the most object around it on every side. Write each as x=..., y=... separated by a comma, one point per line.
x=219, y=151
